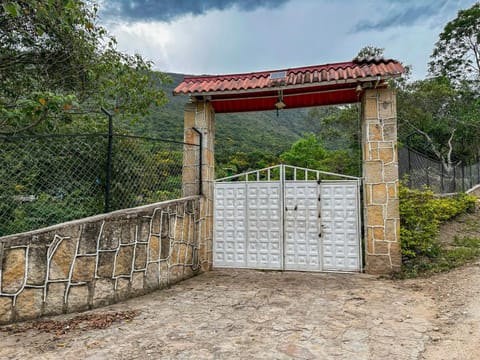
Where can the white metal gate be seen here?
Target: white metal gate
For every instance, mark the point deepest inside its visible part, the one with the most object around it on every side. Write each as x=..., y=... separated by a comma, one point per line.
x=290, y=218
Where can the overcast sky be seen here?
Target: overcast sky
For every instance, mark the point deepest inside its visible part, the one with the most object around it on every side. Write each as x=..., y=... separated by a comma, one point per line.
x=234, y=36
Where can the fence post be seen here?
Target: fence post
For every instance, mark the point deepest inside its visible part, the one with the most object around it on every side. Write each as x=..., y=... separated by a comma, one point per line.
x=478, y=171
x=200, y=160
x=409, y=166
x=454, y=179
x=109, y=159
x=463, y=178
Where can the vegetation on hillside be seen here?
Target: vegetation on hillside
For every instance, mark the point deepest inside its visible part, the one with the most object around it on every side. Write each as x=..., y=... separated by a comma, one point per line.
x=421, y=214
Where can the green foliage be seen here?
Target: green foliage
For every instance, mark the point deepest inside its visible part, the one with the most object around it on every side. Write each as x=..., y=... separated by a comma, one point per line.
x=457, y=52
x=370, y=50
x=306, y=152
x=309, y=152
x=447, y=115
x=421, y=213
x=55, y=58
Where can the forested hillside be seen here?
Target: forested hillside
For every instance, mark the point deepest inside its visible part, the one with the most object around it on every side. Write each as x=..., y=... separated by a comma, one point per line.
x=264, y=132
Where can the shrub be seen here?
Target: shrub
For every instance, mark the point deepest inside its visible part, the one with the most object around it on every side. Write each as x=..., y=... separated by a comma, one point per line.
x=421, y=213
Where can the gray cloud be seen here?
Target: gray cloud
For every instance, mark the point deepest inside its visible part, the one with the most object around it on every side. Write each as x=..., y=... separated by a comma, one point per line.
x=403, y=16
x=169, y=10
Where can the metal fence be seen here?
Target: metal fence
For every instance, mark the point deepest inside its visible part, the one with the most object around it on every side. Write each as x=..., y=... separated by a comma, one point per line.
x=49, y=179
x=419, y=171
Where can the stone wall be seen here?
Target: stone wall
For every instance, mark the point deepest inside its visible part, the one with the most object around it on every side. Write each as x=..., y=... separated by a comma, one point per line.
x=99, y=260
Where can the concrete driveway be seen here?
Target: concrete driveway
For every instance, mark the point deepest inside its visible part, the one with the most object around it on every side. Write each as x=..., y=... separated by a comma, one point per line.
x=247, y=314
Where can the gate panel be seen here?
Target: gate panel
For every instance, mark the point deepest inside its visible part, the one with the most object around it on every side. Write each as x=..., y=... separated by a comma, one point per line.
x=339, y=206
x=230, y=225
x=302, y=243
x=264, y=241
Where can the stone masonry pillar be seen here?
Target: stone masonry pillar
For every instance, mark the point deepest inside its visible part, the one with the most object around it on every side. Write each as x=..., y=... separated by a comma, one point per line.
x=201, y=116
x=380, y=172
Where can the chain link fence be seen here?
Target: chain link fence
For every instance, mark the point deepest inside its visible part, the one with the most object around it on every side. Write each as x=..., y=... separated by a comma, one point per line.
x=419, y=171
x=46, y=180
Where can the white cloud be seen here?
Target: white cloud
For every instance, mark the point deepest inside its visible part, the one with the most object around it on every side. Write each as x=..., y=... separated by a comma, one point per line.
x=301, y=32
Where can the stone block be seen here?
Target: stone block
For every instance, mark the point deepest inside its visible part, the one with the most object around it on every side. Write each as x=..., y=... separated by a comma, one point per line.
x=379, y=194
x=77, y=298
x=84, y=269
x=103, y=293
x=123, y=289
x=29, y=304
x=151, y=277
x=140, y=257
x=37, y=265
x=370, y=108
x=378, y=234
x=369, y=244
x=13, y=270
x=123, y=260
x=390, y=132
x=157, y=221
x=54, y=302
x=88, y=238
x=393, y=211
x=143, y=230
x=127, y=234
x=390, y=230
x=189, y=174
x=164, y=274
x=6, y=309
x=382, y=248
x=395, y=255
x=375, y=132
x=154, y=248
x=373, y=171
x=111, y=235
x=375, y=215
x=165, y=247
x=385, y=109
x=137, y=283
x=378, y=264
x=386, y=155
x=393, y=190
x=62, y=260
x=368, y=194
x=391, y=172
x=189, y=254
x=176, y=274
x=105, y=264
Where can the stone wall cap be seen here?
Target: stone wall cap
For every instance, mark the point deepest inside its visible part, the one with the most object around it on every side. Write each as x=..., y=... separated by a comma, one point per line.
x=106, y=216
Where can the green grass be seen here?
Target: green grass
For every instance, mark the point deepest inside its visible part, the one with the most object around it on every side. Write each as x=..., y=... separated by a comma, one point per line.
x=463, y=250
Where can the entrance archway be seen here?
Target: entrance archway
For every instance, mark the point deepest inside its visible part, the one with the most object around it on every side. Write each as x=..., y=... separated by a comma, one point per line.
x=360, y=80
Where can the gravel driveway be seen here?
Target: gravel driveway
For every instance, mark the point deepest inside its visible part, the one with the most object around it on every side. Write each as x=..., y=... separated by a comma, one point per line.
x=247, y=314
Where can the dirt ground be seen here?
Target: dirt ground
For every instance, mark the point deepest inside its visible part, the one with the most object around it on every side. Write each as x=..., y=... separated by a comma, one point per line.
x=247, y=314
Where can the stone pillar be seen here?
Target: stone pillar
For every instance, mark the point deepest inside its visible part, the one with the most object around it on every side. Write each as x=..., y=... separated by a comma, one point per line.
x=380, y=172
x=201, y=116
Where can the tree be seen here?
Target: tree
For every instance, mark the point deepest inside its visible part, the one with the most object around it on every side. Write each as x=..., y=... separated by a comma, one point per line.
x=306, y=152
x=55, y=58
x=437, y=118
x=457, y=52
x=369, y=51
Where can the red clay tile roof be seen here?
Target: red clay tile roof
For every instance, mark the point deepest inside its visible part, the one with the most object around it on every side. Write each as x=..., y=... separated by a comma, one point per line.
x=299, y=87
x=317, y=75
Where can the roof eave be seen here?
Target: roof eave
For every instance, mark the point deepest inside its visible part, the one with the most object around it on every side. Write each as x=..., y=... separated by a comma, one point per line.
x=287, y=87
